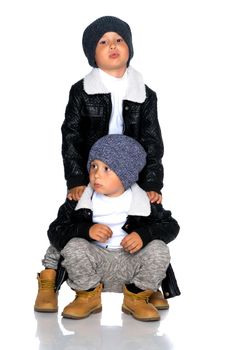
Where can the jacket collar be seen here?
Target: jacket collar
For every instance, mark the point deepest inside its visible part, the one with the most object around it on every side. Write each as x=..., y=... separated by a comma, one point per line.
x=136, y=91
x=140, y=205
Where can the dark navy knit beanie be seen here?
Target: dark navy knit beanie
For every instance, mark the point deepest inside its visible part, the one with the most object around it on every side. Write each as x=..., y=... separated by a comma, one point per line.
x=93, y=33
x=124, y=155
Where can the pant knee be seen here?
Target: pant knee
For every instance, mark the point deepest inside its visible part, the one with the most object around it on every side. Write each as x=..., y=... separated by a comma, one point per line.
x=75, y=245
x=160, y=249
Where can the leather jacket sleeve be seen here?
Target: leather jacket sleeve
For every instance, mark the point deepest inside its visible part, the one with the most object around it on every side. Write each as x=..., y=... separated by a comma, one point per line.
x=158, y=225
x=151, y=178
x=69, y=224
x=73, y=149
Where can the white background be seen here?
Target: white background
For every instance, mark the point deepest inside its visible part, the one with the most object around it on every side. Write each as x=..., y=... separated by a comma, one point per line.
x=184, y=51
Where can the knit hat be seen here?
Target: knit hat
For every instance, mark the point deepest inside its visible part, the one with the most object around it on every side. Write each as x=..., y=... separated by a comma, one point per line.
x=93, y=33
x=124, y=155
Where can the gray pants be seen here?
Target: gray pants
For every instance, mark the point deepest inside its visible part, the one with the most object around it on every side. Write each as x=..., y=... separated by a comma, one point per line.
x=88, y=265
x=51, y=258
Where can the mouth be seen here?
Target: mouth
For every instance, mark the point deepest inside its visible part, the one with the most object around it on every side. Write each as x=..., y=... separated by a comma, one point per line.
x=114, y=55
x=97, y=185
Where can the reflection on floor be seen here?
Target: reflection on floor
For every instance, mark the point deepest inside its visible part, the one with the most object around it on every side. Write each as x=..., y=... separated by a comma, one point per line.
x=110, y=329
x=193, y=322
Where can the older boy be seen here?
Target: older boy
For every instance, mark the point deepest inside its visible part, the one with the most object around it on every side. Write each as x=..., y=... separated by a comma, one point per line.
x=111, y=99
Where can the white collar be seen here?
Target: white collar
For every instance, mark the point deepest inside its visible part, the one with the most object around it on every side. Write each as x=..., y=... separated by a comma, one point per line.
x=140, y=202
x=136, y=91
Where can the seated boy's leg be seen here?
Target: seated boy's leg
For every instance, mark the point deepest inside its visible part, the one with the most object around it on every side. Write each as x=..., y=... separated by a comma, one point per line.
x=157, y=299
x=154, y=260
x=86, y=302
x=162, y=255
x=46, y=300
x=81, y=262
x=150, y=269
x=137, y=305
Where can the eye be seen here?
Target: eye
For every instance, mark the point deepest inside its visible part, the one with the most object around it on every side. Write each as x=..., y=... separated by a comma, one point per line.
x=93, y=166
x=103, y=42
x=119, y=40
x=107, y=169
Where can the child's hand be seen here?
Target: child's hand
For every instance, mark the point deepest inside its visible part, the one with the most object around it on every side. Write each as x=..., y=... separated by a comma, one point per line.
x=100, y=232
x=154, y=197
x=132, y=242
x=75, y=193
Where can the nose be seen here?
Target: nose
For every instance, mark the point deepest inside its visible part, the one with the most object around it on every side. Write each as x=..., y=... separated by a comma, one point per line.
x=97, y=173
x=112, y=45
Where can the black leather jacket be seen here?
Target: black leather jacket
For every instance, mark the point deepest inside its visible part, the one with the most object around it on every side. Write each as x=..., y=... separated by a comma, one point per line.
x=87, y=119
x=150, y=221
x=72, y=223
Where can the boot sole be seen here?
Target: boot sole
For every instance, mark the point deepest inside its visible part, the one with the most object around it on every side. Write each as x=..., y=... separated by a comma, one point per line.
x=129, y=312
x=73, y=317
x=45, y=310
x=161, y=307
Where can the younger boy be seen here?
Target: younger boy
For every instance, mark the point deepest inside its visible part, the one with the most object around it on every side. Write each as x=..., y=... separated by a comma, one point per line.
x=113, y=238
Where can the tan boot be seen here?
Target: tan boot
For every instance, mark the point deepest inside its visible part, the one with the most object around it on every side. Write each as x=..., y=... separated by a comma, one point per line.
x=46, y=300
x=158, y=300
x=139, y=307
x=84, y=304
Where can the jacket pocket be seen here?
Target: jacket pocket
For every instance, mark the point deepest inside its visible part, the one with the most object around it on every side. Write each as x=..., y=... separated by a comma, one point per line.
x=93, y=111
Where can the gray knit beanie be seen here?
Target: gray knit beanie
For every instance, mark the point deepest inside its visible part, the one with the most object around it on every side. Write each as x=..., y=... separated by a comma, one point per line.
x=98, y=28
x=124, y=155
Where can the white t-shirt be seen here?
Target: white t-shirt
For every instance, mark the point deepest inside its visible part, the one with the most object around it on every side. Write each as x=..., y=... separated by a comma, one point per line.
x=117, y=87
x=112, y=211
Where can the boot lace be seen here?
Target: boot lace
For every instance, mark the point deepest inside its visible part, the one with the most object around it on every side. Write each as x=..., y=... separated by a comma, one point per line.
x=142, y=298
x=46, y=284
x=85, y=293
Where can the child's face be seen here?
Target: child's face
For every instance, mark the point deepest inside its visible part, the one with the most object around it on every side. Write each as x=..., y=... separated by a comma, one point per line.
x=112, y=53
x=104, y=180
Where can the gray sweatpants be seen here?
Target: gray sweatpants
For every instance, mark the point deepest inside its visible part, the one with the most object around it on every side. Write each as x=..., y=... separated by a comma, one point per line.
x=88, y=264
x=51, y=258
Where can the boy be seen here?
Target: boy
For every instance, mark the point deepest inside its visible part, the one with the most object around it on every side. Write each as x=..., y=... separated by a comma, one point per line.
x=111, y=99
x=113, y=237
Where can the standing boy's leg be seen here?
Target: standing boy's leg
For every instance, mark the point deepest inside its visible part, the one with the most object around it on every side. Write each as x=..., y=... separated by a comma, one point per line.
x=51, y=258
x=46, y=300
